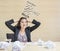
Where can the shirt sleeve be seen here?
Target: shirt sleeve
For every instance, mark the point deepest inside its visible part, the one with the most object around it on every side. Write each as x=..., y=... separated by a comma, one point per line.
x=36, y=25
x=8, y=24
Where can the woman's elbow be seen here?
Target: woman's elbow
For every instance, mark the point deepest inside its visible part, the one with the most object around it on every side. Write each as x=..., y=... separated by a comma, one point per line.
x=6, y=23
x=39, y=23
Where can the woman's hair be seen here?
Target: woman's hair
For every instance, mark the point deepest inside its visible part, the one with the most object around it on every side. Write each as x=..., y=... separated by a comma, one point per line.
x=18, y=24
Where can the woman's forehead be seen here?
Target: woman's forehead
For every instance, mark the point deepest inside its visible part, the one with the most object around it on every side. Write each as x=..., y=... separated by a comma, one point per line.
x=23, y=19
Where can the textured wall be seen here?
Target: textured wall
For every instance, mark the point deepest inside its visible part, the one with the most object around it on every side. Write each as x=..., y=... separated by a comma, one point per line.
x=49, y=18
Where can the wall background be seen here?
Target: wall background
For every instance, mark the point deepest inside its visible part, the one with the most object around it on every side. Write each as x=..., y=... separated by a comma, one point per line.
x=49, y=17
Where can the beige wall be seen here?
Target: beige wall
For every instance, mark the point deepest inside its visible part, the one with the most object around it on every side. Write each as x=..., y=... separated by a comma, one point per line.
x=49, y=18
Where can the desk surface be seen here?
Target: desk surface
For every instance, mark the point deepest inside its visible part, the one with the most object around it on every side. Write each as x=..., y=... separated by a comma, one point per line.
x=36, y=48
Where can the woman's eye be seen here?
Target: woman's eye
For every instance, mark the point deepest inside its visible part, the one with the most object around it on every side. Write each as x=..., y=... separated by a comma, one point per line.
x=22, y=22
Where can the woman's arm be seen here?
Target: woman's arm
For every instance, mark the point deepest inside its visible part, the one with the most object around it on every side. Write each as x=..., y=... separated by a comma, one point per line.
x=8, y=24
x=37, y=24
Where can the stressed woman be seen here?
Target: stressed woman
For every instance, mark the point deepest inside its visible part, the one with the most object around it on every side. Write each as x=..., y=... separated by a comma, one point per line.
x=22, y=32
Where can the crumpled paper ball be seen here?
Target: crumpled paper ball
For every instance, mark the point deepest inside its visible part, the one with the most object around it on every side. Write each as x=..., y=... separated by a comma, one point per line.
x=17, y=46
x=49, y=44
x=4, y=45
x=40, y=42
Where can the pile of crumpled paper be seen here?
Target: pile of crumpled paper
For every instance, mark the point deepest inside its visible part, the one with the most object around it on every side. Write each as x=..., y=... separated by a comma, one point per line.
x=17, y=46
x=4, y=45
x=49, y=44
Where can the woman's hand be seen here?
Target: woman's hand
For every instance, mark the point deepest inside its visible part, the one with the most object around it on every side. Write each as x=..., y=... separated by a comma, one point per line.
x=29, y=20
x=15, y=21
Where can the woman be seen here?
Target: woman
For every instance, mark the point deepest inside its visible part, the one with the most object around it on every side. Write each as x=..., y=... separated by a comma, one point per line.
x=22, y=32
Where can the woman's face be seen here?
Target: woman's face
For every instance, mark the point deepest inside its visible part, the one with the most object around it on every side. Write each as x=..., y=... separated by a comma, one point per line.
x=23, y=23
